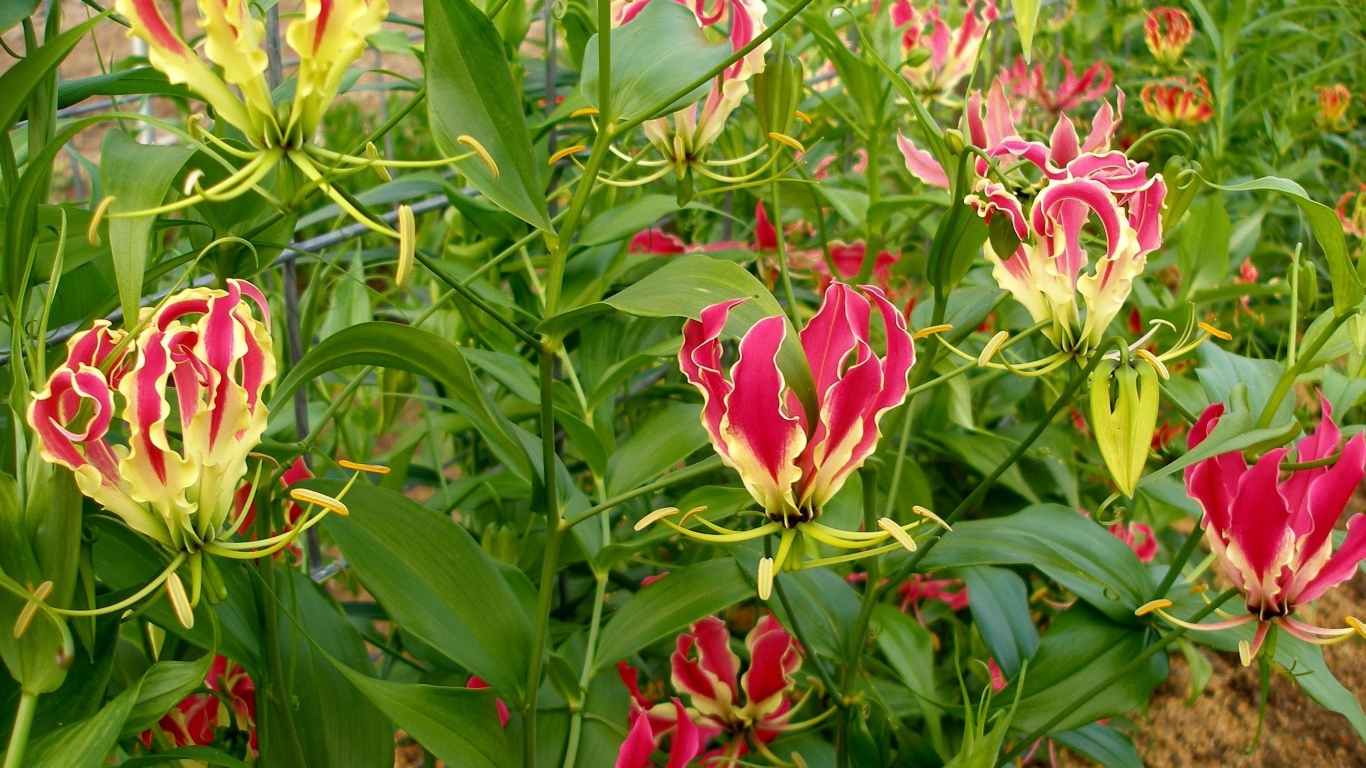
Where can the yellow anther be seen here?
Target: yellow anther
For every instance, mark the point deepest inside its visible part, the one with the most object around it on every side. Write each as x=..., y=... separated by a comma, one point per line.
x=478, y=148
x=1198, y=588
x=1215, y=332
x=31, y=609
x=377, y=469
x=802, y=116
x=180, y=602
x=1245, y=652
x=1356, y=624
x=919, y=510
x=765, y=578
x=690, y=513
x=407, y=244
x=373, y=154
x=1157, y=364
x=92, y=233
x=932, y=330
x=1155, y=605
x=989, y=351
x=321, y=499
x=566, y=152
x=889, y=525
x=655, y=516
x=783, y=138
x=584, y=112
x=192, y=181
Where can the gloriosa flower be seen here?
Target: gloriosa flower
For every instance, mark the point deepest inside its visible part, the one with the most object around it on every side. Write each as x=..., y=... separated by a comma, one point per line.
x=196, y=719
x=209, y=346
x=1031, y=87
x=743, y=711
x=1334, y=101
x=949, y=53
x=1272, y=531
x=1167, y=31
x=1178, y=103
x=1351, y=210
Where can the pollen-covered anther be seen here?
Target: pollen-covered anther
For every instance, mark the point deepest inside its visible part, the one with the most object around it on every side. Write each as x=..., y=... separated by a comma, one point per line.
x=1153, y=605
x=932, y=330
x=407, y=244
x=566, y=152
x=478, y=148
x=783, y=138
x=31, y=608
x=765, y=578
x=992, y=347
x=1198, y=588
x=655, y=516
x=584, y=112
x=688, y=515
x=180, y=602
x=1156, y=363
x=1356, y=624
x=372, y=153
x=1245, y=652
x=92, y=233
x=321, y=499
x=356, y=466
x=802, y=116
x=1215, y=332
x=897, y=532
x=192, y=181
x=925, y=513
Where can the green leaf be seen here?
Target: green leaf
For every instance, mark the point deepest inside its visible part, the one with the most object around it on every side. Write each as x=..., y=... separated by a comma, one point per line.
x=624, y=221
x=470, y=92
x=999, y=602
x=1081, y=650
x=1234, y=432
x=670, y=436
x=19, y=80
x=164, y=686
x=86, y=743
x=1327, y=229
x=138, y=177
x=909, y=649
x=208, y=755
x=1104, y=745
x=138, y=81
x=407, y=348
x=1203, y=250
x=659, y=52
x=14, y=11
x=668, y=606
x=1072, y=550
x=827, y=607
x=1026, y=17
x=435, y=581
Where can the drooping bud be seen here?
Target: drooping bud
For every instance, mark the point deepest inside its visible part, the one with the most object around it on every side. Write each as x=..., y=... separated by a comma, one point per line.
x=1181, y=189
x=778, y=89
x=1167, y=31
x=1124, y=430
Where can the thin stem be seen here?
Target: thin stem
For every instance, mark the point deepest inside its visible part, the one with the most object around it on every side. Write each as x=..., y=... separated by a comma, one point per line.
x=23, y=722
x=794, y=624
x=394, y=119
x=1119, y=674
x=859, y=637
x=1179, y=562
x=554, y=533
x=687, y=473
x=473, y=298
x=783, y=272
x=1292, y=372
x=560, y=256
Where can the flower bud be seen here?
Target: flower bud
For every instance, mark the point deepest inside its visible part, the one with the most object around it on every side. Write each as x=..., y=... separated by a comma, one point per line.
x=778, y=89
x=1124, y=431
x=1181, y=189
x=1167, y=31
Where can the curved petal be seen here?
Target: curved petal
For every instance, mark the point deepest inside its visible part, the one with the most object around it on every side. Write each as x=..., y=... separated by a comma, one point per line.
x=1342, y=565
x=774, y=659
x=232, y=40
x=922, y=164
x=639, y=744
x=700, y=360
x=1260, y=537
x=686, y=739
x=329, y=38
x=712, y=678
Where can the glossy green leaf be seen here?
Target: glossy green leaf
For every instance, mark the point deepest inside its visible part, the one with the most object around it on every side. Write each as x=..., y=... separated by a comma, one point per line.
x=827, y=607
x=407, y=348
x=208, y=755
x=658, y=53
x=165, y=685
x=20, y=78
x=1102, y=744
x=1203, y=248
x=136, y=81
x=670, y=605
x=470, y=92
x=669, y=437
x=137, y=176
x=626, y=220
x=999, y=602
x=1026, y=18
x=14, y=11
x=909, y=649
x=86, y=743
x=435, y=581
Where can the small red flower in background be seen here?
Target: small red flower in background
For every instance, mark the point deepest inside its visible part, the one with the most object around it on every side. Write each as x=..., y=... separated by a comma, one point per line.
x=1334, y=101
x=477, y=683
x=297, y=473
x=921, y=587
x=658, y=242
x=998, y=678
x=1139, y=537
x=1167, y=31
x=195, y=720
x=1165, y=433
x=1353, y=220
x=1030, y=86
x=1178, y=103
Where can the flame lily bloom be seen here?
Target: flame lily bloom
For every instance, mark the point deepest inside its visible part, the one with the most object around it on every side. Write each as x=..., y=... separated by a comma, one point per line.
x=195, y=720
x=1178, y=104
x=743, y=711
x=1334, y=101
x=1167, y=31
x=952, y=53
x=1139, y=537
x=1272, y=534
x=1354, y=220
x=1032, y=87
x=791, y=464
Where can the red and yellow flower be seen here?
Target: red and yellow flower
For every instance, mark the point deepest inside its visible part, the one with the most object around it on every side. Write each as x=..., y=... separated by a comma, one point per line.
x=949, y=53
x=1167, y=31
x=1334, y=101
x=1179, y=103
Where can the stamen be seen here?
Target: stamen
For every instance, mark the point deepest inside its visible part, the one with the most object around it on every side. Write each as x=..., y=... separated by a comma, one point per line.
x=655, y=516
x=689, y=514
x=1157, y=364
x=566, y=152
x=765, y=578
x=919, y=510
x=356, y=466
x=407, y=244
x=989, y=351
x=904, y=539
x=783, y=138
x=180, y=602
x=1154, y=605
x=92, y=233
x=372, y=154
x=932, y=330
x=1199, y=588
x=31, y=609
x=1245, y=653
x=474, y=144
x=321, y=499
x=797, y=759
x=585, y=111
x=1356, y=624
x=1215, y=332
x=802, y=116
x=192, y=181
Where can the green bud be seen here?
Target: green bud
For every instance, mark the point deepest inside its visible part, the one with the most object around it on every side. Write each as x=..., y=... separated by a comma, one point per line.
x=500, y=542
x=1004, y=240
x=954, y=139
x=684, y=189
x=1124, y=431
x=1309, y=287
x=1180, y=190
x=778, y=89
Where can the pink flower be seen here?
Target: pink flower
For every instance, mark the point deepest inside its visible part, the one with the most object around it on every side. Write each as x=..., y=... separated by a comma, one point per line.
x=476, y=682
x=1273, y=534
x=952, y=52
x=724, y=703
x=1167, y=31
x=657, y=242
x=1178, y=103
x=195, y=720
x=998, y=678
x=206, y=344
x=1032, y=85
x=951, y=592
x=1353, y=220
x=790, y=463
x=1139, y=537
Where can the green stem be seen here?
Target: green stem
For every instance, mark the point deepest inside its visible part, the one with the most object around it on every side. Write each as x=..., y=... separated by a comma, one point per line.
x=1182, y=557
x=785, y=275
x=1119, y=675
x=18, y=738
x=560, y=256
x=1293, y=372
x=859, y=637
x=700, y=468
x=589, y=660
x=473, y=298
x=794, y=624
x=394, y=119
